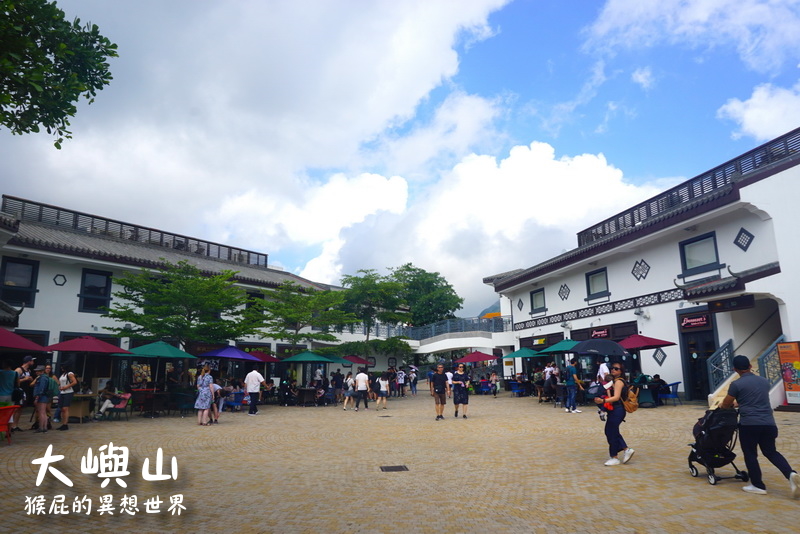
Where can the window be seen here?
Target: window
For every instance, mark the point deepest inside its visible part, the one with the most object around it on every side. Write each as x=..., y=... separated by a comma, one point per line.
x=597, y=284
x=699, y=255
x=95, y=291
x=537, y=302
x=19, y=281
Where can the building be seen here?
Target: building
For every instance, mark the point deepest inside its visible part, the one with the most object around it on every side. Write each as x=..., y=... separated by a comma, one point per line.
x=710, y=264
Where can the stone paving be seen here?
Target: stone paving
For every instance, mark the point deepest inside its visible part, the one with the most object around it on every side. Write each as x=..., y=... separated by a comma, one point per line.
x=514, y=466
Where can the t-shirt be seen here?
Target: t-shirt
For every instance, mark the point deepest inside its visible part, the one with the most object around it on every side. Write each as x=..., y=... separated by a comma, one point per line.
x=439, y=382
x=460, y=377
x=602, y=371
x=337, y=381
x=7, y=380
x=449, y=376
x=384, y=384
x=401, y=377
x=571, y=372
x=362, y=382
x=752, y=393
x=253, y=381
x=65, y=380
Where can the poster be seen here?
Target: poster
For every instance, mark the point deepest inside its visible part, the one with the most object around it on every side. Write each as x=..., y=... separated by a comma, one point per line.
x=789, y=355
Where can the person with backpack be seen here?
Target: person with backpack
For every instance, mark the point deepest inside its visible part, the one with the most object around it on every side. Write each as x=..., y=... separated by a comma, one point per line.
x=42, y=398
x=67, y=382
x=614, y=418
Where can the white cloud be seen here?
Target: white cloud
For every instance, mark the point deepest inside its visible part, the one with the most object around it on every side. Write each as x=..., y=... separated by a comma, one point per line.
x=764, y=33
x=563, y=112
x=769, y=112
x=643, y=77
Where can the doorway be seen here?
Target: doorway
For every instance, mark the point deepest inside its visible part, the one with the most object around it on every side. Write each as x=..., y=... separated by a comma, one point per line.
x=698, y=346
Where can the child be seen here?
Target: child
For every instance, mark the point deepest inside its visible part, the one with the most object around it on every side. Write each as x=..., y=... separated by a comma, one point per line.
x=602, y=409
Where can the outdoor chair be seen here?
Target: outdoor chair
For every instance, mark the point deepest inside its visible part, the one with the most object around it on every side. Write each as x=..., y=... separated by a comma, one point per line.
x=673, y=394
x=138, y=401
x=119, y=408
x=182, y=403
x=486, y=387
x=234, y=401
x=517, y=389
x=6, y=414
x=329, y=398
x=560, y=398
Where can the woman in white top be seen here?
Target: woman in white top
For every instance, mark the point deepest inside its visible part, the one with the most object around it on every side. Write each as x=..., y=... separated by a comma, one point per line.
x=66, y=382
x=383, y=394
x=349, y=389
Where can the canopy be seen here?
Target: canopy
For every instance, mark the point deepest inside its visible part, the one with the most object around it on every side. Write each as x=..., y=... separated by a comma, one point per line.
x=637, y=342
x=476, y=356
x=358, y=360
x=231, y=352
x=307, y=357
x=604, y=347
x=159, y=349
x=10, y=340
x=264, y=357
x=565, y=345
x=337, y=360
x=524, y=352
x=86, y=344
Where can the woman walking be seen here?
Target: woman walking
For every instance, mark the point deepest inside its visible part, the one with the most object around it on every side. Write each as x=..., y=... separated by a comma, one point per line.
x=205, y=394
x=614, y=418
x=383, y=394
x=494, y=381
x=460, y=391
x=349, y=389
x=66, y=382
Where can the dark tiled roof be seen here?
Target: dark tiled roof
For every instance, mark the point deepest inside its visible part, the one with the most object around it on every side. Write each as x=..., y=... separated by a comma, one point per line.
x=96, y=246
x=735, y=282
x=8, y=222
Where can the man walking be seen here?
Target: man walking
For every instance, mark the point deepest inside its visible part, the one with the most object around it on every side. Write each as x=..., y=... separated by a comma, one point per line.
x=572, y=383
x=757, y=428
x=440, y=386
x=362, y=388
x=253, y=382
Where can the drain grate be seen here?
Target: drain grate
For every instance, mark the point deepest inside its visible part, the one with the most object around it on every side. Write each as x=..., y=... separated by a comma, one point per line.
x=394, y=468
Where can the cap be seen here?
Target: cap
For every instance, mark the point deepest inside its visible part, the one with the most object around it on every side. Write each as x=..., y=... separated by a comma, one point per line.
x=28, y=358
x=741, y=363
x=39, y=368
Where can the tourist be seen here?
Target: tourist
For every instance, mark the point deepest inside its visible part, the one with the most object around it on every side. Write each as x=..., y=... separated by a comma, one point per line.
x=362, y=386
x=9, y=382
x=616, y=443
x=67, y=382
x=757, y=428
x=205, y=395
x=401, y=383
x=41, y=395
x=572, y=383
x=26, y=378
x=253, y=382
x=349, y=389
x=383, y=393
x=412, y=381
x=494, y=382
x=461, y=389
x=439, y=386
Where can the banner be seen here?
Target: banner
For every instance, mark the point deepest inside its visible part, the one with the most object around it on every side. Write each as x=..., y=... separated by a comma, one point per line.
x=789, y=355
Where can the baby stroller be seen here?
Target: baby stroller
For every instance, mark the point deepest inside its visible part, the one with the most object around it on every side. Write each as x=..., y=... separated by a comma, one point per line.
x=715, y=436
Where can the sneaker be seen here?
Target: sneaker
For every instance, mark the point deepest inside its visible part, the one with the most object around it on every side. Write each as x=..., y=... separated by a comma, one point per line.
x=794, y=485
x=356, y=409
x=345, y=409
x=602, y=416
x=612, y=461
x=566, y=410
x=56, y=420
x=251, y=414
x=464, y=416
x=456, y=414
x=63, y=427
x=628, y=455
x=752, y=489
x=576, y=411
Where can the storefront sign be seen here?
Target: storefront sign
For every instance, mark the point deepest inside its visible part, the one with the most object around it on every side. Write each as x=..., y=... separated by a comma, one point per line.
x=789, y=355
x=695, y=321
x=599, y=333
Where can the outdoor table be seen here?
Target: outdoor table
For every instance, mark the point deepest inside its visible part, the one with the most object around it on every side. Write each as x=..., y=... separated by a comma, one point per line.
x=306, y=395
x=80, y=407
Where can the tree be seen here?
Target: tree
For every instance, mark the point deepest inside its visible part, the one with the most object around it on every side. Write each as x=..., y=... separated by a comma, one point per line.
x=373, y=298
x=429, y=296
x=397, y=347
x=291, y=309
x=46, y=65
x=180, y=303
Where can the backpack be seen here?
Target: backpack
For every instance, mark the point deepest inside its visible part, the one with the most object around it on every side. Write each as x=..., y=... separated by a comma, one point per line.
x=630, y=398
x=53, y=388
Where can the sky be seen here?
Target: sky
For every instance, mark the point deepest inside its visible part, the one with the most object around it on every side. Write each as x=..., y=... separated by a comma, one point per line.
x=468, y=137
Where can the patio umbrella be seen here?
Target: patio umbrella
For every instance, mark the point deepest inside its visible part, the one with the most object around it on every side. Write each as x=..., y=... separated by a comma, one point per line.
x=10, y=340
x=86, y=344
x=337, y=360
x=605, y=347
x=524, y=352
x=230, y=352
x=158, y=349
x=358, y=360
x=264, y=357
x=563, y=346
x=307, y=357
x=476, y=356
x=637, y=342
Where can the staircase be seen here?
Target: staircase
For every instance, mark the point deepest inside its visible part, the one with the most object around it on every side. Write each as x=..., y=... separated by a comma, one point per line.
x=766, y=364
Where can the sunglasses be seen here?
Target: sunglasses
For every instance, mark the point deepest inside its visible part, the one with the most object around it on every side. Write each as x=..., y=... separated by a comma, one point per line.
x=616, y=369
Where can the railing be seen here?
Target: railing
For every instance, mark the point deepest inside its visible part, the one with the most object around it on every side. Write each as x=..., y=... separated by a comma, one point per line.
x=699, y=186
x=720, y=365
x=450, y=326
x=27, y=210
x=769, y=365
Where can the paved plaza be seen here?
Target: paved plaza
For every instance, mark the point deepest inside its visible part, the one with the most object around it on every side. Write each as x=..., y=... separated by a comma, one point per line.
x=514, y=466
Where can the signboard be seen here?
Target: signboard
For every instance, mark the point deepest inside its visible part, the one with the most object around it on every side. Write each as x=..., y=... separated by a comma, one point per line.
x=599, y=333
x=689, y=322
x=789, y=355
x=737, y=303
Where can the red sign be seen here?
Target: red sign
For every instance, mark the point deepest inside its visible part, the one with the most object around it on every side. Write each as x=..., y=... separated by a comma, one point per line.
x=694, y=321
x=600, y=332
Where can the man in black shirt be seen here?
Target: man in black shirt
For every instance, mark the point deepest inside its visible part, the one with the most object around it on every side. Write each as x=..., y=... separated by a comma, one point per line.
x=439, y=388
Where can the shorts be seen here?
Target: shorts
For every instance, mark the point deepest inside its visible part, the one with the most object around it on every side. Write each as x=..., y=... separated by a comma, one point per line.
x=383, y=393
x=337, y=392
x=65, y=399
x=348, y=393
x=440, y=398
x=43, y=399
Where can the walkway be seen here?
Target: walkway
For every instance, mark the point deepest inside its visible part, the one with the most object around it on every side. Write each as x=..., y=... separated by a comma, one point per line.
x=513, y=466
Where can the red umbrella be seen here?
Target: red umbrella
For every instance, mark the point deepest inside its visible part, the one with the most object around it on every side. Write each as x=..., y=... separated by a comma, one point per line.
x=264, y=357
x=86, y=344
x=10, y=340
x=356, y=360
x=476, y=356
x=637, y=342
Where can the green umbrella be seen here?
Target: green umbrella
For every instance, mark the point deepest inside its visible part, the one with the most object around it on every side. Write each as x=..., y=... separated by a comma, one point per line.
x=560, y=348
x=307, y=357
x=159, y=349
x=337, y=360
x=524, y=352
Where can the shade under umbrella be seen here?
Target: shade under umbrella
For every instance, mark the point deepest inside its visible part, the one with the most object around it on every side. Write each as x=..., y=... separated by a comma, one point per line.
x=604, y=347
x=86, y=344
x=476, y=356
x=10, y=340
x=158, y=349
x=563, y=346
x=358, y=360
x=307, y=357
x=337, y=360
x=264, y=357
x=229, y=351
x=639, y=342
x=524, y=352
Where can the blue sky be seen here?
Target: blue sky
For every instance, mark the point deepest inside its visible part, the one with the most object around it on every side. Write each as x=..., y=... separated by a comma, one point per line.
x=468, y=137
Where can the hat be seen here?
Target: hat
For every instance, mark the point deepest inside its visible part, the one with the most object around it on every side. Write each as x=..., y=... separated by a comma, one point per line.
x=28, y=358
x=742, y=363
x=39, y=368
